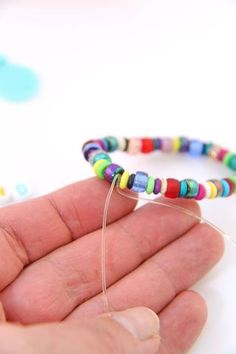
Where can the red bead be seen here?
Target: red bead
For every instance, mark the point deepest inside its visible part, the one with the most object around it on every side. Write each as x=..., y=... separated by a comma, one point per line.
x=147, y=145
x=173, y=188
x=231, y=185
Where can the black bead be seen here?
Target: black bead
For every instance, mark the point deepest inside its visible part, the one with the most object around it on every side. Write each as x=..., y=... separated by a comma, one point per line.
x=131, y=181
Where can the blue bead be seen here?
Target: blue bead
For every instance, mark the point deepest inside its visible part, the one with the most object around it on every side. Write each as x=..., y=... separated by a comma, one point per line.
x=140, y=182
x=100, y=156
x=183, y=188
x=195, y=148
x=226, y=188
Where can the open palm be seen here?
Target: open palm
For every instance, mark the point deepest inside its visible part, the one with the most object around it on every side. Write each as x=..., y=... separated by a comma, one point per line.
x=50, y=260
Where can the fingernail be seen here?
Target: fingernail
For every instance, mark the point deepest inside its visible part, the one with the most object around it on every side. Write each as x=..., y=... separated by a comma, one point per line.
x=141, y=322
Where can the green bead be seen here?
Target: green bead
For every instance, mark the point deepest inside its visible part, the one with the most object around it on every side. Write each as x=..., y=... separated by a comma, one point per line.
x=227, y=158
x=193, y=188
x=150, y=185
x=100, y=169
x=112, y=143
x=232, y=162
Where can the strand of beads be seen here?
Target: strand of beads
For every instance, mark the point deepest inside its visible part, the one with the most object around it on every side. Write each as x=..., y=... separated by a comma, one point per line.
x=96, y=152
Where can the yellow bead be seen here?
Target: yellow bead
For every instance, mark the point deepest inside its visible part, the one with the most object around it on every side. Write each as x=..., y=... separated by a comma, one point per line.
x=124, y=180
x=176, y=144
x=2, y=191
x=214, y=190
x=100, y=166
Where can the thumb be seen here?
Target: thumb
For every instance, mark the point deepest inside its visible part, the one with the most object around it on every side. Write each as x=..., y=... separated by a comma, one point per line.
x=134, y=331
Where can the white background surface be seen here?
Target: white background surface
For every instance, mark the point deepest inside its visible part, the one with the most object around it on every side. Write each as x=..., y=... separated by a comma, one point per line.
x=131, y=68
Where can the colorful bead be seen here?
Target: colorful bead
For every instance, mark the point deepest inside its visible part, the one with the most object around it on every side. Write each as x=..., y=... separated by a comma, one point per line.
x=95, y=151
x=131, y=181
x=157, y=187
x=147, y=145
x=124, y=180
x=226, y=188
x=134, y=146
x=90, y=147
x=233, y=179
x=167, y=145
x=150, y=185
x=213, y=188
x=112, y=170
x=183, y=188
x=140, y=182
x=195, y=148
x=192, y=188
x=201, y=192
x=163, y=186
x=176, y=144
x=184, y=144
x=100, y=156
x=173, y=188
x=99, y=168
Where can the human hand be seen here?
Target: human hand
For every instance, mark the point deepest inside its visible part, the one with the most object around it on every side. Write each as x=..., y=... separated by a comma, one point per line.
x=50, y=272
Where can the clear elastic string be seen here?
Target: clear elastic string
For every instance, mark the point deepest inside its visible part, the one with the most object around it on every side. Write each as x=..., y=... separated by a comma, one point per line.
x=168, y=204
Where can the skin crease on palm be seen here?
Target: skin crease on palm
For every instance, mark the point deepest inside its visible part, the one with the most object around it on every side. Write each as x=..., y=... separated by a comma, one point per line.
x=50, y=268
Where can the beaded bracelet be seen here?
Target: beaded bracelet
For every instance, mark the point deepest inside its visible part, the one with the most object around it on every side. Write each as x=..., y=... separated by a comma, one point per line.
x=96, y=152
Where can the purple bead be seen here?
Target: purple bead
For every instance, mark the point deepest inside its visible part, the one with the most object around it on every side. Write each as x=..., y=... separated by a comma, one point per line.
x=157, y=187
x=90, y=147
x=184, y=147
x=112, y=170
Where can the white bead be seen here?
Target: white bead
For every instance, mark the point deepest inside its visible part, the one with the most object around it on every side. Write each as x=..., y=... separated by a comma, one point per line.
x=208, y=189
x=163, y=186
x=121, y=143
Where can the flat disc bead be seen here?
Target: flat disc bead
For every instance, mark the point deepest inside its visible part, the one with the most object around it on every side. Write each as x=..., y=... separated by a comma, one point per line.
x=157, y=187
x=173, y=188
x=150, y=185
x=233, y=178
x=226, y=188
x=218, y=186
x=201, y=192
x=213, y=193
x=231, y=185
x=183, y=188
x=112, y=170
x=163, y=186
x=176, y=144
x=99, y=168
x=124, y=180
x=192, y=188
x=207, y=189
x=140, y=182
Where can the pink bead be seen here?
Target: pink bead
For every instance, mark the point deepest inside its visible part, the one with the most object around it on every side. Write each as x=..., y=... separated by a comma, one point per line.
x=167, y=145
x=221, y=154
x=134, y=146
x=201, y=192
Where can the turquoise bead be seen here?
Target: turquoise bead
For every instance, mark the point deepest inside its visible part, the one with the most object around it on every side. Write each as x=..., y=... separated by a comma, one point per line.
x=192, y=188
x=100, y=156
x=183, y=188
x=226, y=188
x=232, y=163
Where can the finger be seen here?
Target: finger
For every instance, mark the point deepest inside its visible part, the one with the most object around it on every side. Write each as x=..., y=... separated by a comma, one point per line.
x=182, y=322
x=157, y=281
x=32, y=229
x=71, y=275
x=2, y=313
x=133, y=331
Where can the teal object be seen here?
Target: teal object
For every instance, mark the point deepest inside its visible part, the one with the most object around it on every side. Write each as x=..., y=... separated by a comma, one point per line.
x=17, y=83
